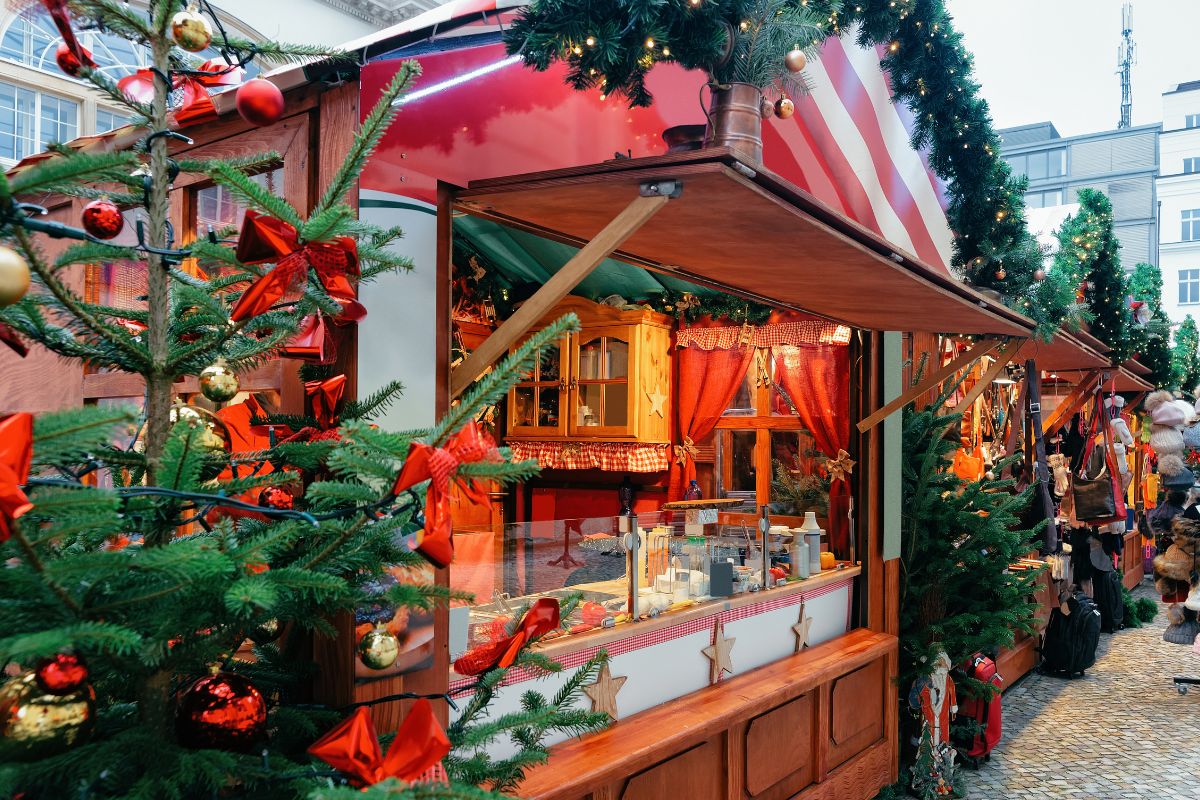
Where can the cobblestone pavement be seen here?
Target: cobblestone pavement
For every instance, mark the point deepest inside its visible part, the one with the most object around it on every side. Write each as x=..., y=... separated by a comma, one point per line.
x=1121, y=731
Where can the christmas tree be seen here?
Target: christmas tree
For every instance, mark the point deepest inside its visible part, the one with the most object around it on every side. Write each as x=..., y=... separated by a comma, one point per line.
x=1090, y=254
x=1185, y=355
x=145, y=549
x=1151, y=333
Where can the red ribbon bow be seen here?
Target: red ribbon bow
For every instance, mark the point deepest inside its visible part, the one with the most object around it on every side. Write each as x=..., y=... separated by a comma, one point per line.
x=438, y=465
x=353, y=747
x=325, y=396
x=266, y=239
x=62, y=21
x=312, y=342
x=196, y=105
x=540, y=619
x=16, y=454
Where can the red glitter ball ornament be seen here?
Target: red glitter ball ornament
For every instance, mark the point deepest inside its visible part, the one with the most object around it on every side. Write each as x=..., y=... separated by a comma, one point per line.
x=67, y=61
x=221, y=712
x=61, y=675
x=275, y=497
x=259, y=102
x=102, y=219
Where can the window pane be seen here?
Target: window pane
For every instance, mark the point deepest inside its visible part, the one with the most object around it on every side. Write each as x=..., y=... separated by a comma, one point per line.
x=215, y=206
x=742, y=404
x=797, y=484
x=591, y=405
x=1054, y=198
x=735, y=461
x=616, y=404
x=1037, y=166
x=109, y=121
x=1017, y=163
x=1058, y=162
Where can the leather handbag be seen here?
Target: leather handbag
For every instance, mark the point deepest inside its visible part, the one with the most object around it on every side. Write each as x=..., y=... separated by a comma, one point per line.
x=1095, y=499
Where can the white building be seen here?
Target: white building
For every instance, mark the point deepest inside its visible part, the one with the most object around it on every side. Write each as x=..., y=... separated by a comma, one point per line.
x=1178, y=188
x=40, y=105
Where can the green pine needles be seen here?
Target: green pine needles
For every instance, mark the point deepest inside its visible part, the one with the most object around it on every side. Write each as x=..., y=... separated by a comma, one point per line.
x=1185, y=356
x=145, y=552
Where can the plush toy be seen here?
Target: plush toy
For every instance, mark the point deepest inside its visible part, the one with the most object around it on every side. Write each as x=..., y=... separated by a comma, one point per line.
x=1173, y=571
x=1167, y=419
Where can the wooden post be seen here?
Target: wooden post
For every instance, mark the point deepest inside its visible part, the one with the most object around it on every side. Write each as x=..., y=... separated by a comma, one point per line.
x=980, y=350
x=624, y=225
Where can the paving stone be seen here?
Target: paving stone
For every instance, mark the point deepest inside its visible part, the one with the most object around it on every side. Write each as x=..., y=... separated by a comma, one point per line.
x=1122, y=732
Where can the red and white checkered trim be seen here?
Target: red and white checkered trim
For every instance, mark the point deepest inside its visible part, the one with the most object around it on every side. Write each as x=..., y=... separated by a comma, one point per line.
x=803, y=332
x=608, y=456
x=650, y=638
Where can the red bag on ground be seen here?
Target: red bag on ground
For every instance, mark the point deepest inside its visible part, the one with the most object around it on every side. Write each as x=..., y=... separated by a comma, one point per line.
x=985, y=712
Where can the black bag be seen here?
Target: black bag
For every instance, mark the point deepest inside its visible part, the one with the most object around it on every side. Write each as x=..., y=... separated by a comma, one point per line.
x=1106, y=589
x=1094, y=499
x=1069, y=644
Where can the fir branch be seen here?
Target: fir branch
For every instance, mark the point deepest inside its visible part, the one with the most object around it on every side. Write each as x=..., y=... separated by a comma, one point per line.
x=493, y=387
x=370, y=133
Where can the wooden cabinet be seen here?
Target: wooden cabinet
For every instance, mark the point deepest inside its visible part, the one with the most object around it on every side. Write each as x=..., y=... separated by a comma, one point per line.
x=611, y=381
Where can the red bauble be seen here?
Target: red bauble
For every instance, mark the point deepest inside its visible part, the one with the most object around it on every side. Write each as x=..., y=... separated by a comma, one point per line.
x=67, y=61
x=61, y=675
x=221, y=712
x=102, y=219
x=260, y=102
x=275, y=497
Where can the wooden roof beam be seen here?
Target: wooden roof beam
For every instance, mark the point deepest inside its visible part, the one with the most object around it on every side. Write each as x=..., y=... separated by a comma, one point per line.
x=982, y=348
x=1002, y=360
x=560, y=284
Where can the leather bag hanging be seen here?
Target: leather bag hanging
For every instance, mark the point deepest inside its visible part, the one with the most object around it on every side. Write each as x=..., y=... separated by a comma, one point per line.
x=1095, y=500
x=1032, y=402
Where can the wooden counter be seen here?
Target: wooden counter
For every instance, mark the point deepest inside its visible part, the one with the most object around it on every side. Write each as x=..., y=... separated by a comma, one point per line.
x=818, y=725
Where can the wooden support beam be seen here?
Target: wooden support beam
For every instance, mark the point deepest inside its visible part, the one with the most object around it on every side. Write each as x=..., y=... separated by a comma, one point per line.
x=981, y=349
x=555, y=289
x=1073, y=402
x=993, y=372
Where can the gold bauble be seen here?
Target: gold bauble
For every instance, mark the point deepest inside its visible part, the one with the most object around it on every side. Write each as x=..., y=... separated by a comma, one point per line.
x=784, y=108
x=218, y=382
x=35, y=725
x=14, y=276
x=378, y=648
x=267, y=632
x=795, y=60
x=1001, y=274
x=766, y=108
x=1039, y=274
x=191, y=30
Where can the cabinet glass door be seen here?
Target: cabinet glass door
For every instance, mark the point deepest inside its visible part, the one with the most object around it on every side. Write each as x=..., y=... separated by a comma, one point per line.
x=601, y=394
x=536, y=407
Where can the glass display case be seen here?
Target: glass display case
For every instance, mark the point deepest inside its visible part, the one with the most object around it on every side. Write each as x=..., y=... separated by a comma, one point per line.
x=588, y=559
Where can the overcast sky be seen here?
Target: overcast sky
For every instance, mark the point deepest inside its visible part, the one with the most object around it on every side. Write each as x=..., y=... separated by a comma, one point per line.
x=1056, y=59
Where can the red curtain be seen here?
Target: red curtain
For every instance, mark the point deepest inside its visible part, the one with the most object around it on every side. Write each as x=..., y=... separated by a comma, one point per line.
x=817, y=379
x=708, y=380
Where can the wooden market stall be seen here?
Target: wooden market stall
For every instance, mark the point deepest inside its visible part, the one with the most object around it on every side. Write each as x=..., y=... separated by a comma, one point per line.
x=708, y=218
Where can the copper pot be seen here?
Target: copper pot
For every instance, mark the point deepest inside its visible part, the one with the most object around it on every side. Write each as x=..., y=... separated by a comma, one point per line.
x=735, y=120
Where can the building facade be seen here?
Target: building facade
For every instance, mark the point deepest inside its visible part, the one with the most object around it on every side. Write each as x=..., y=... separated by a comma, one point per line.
x=1121, y=163
x=1178, y=189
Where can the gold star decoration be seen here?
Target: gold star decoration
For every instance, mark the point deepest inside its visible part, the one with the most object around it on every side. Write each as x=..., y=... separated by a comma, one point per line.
x=719, y=653
x=603, y=692
x=657, y=398
x=840, y=467
x=801, y=629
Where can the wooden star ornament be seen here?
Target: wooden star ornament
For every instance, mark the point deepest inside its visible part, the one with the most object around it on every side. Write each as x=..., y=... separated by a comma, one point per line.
x=801, y=629
x=603, y=692
x=719, y=653
x=657, y=399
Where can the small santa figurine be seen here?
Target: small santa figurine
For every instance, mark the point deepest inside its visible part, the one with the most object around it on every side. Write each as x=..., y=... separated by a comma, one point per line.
x=933, y=698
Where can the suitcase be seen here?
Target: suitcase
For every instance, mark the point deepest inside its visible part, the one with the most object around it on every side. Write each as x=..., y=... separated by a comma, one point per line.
x=982, y=730
x=1106, y=589
x=1069, y=643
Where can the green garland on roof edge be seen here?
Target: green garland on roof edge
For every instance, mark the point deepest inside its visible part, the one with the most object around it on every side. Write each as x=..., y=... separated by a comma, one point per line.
x=930, y=70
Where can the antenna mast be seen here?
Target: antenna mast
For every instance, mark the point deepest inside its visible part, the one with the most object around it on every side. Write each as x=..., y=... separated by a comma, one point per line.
x=1126, y=58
